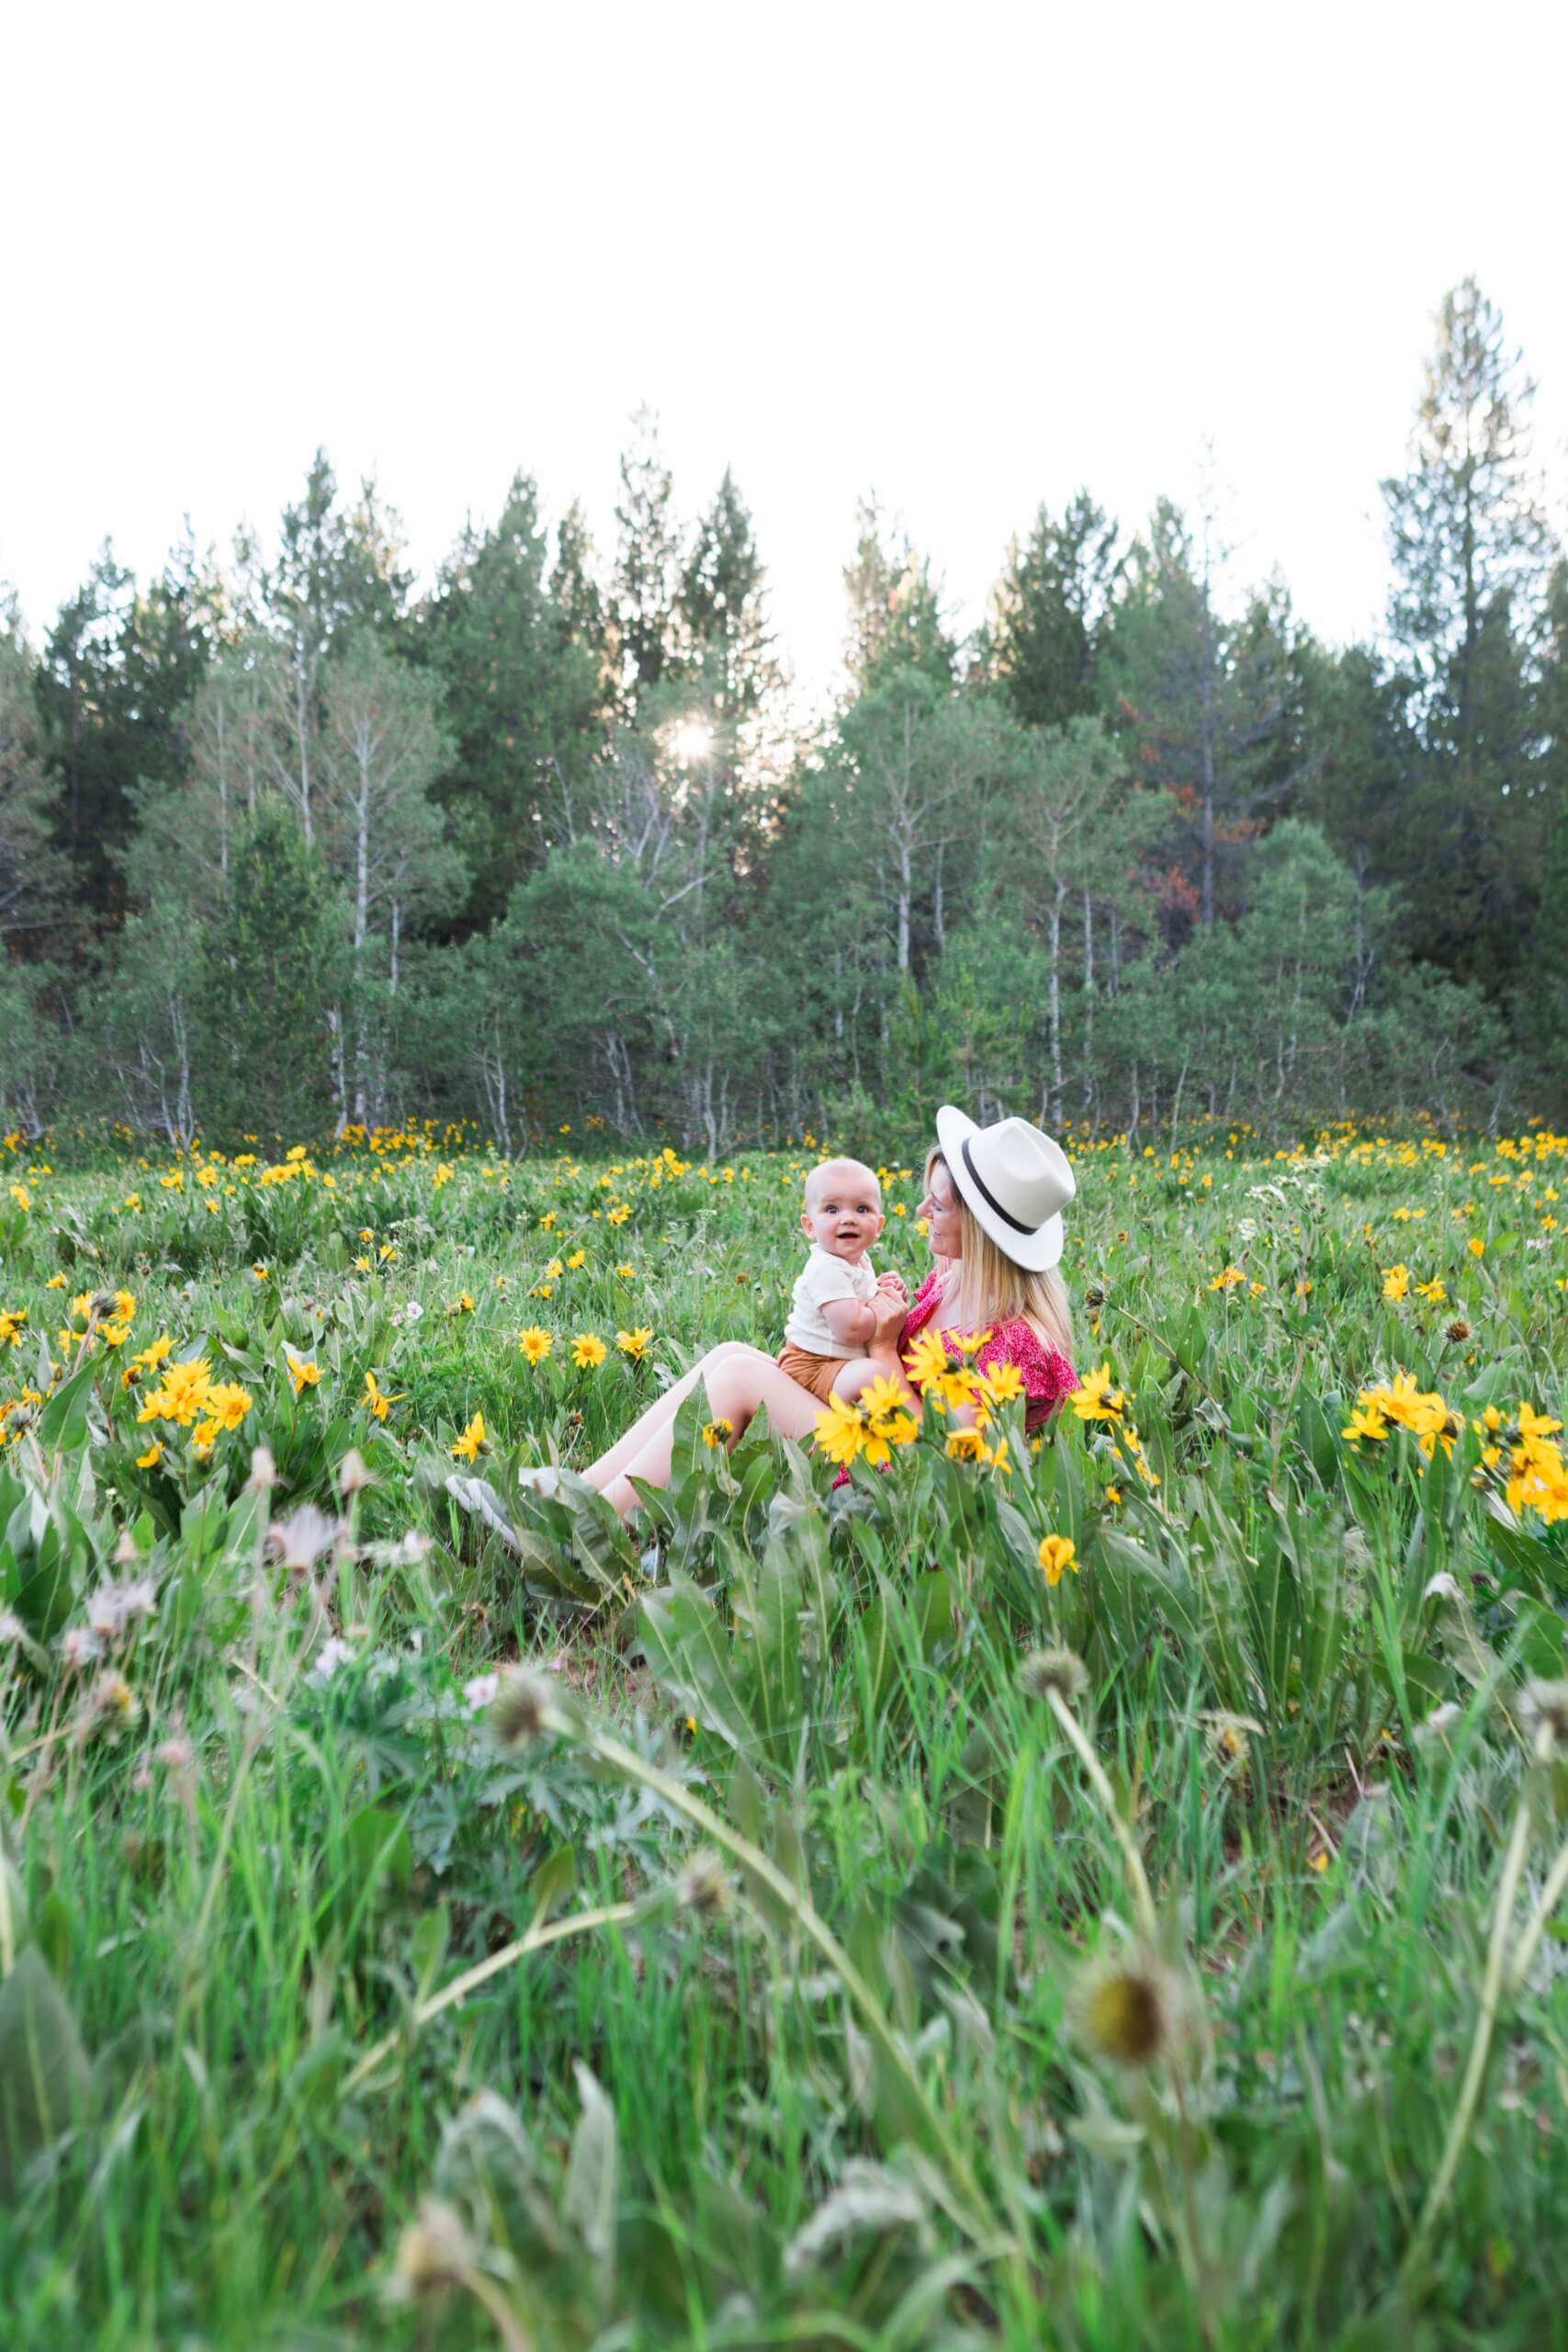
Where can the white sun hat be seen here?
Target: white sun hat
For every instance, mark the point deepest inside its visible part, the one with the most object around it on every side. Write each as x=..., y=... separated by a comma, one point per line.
x=1015, y=1182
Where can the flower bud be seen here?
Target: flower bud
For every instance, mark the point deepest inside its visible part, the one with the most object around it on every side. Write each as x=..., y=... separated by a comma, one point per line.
x=435, y=2253
x=353, y=1476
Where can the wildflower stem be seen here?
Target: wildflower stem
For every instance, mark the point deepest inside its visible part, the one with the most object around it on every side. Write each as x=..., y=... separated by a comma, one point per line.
x=488, y=2295
x=977, y=2218
x=1137, y=1877
x=580, y=1923
x=1196, y=2262
x=1534, y=1927
x=1486, y=2019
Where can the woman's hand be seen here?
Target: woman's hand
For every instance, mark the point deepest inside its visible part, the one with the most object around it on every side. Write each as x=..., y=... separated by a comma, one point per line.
x=888, y=1313
x=894, y=1285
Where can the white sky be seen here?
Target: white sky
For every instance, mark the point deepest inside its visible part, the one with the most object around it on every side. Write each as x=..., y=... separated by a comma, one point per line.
x=971, y=256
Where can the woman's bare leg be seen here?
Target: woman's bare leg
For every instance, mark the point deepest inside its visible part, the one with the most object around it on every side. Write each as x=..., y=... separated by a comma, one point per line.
x=740, y=1381
x=657, y=1416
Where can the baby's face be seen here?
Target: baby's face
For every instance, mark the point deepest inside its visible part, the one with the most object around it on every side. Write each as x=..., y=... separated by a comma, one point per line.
x=843, y=1210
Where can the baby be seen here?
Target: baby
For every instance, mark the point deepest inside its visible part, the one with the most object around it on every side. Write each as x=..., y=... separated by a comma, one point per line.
x=841, y=1307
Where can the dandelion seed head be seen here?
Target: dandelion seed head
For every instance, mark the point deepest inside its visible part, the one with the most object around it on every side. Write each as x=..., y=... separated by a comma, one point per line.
x=1544, y=1705
x=1132, y=2012
x=523, y=1708
x=703, y=1887
x=1061, y=1670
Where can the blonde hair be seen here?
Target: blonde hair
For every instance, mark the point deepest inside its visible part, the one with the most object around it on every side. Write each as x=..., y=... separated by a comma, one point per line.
x=984, y=1286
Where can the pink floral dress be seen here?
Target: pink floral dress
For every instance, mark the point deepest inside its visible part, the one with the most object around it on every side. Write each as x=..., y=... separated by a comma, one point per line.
x=1046, y=1374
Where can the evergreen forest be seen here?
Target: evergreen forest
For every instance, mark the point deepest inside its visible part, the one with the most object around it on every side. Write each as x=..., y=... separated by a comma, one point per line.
x=545, y=844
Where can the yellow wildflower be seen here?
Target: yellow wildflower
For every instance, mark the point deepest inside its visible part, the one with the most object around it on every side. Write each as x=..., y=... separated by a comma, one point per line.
x=927, y=1360
x=1056, y=1553
x=840, y=1432
x=376, y=1399
x=969, y=1344
x=1003, y=1385
x=181, y=1395
x=1095, y=1400
x=228, y=1404
x=467, y=1447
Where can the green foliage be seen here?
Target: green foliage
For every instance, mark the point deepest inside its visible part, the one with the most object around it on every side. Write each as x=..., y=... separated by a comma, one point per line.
x=270, y=980
x=118, y=670
x=760, y=1978
x=1471, y=552
x=590, y=861
x=643, y=602
x=895, y=609
x=1044, y=633
x=522, y=699
x=725, y=642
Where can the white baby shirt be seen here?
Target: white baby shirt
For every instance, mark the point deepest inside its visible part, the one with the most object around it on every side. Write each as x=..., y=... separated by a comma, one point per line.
x=825, y=1277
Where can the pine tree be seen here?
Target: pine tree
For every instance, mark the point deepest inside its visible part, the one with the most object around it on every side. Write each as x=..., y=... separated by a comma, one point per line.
x=522, y=698
x=32, y=870
x=336, y=573
x=271, y=974
x=1208, y=703
x=576, y=598
x=725, y=642
x=895, y=610
x=1469, y=551
x=1043, y=637
x=1464, y=527
x=114, y=686
x=644, y=596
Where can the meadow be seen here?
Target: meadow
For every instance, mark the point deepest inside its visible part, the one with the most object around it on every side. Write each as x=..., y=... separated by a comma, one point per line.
x=1098, y=1892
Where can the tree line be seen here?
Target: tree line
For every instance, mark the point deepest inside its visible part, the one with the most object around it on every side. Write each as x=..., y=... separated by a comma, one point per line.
x=286, y=842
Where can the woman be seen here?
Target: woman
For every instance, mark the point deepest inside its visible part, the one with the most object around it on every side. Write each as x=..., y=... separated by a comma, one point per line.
x=993, y=1203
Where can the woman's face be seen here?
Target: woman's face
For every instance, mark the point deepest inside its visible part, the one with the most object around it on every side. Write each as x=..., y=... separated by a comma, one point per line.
x=940, y=1208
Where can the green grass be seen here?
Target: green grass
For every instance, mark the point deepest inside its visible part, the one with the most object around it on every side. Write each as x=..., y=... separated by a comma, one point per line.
x=852, y=2098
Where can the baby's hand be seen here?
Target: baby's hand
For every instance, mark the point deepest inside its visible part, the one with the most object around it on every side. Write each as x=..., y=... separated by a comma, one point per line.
x=894, y=1285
